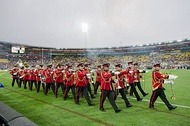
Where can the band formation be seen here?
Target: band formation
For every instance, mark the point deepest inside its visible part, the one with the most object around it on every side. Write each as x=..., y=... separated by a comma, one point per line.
x=80, y=82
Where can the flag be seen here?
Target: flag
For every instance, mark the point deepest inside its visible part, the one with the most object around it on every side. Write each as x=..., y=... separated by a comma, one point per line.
x=1, y=85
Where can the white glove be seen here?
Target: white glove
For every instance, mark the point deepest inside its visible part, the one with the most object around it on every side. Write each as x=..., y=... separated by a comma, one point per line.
x=116, y=80
x=117, y=72
x=131, y=71
x=140, y=71
x=62, y=71
x=172, y=77
x=88, y=76
x=91, y=71
x=14, y=73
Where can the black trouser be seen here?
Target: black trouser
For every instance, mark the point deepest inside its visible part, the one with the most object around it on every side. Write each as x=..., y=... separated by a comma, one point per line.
x=20, y=82
x=26, y=81
x=13, y=81
x=31, y=84
x=134, y=90
x=123, y=94
x=89, y=90
x=83, y=90
x=38, y=86
x=67, y=91
x=138, y=84
x=57, y=87
x=159, y=92
x=110, y=95
x=48, y=85
x=96, y=87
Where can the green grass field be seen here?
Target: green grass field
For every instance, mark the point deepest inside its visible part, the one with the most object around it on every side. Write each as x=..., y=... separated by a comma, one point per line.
x=51, y=111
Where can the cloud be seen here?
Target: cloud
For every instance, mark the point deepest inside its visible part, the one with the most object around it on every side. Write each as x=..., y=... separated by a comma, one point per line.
x=57, y=23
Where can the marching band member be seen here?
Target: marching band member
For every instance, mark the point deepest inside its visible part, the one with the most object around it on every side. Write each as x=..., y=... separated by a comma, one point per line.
x=39, y=74
x=49, y=79
x=59, y=79
x=81, y=85
x=119, y=75
x=130, y=77
x=87, y=80
x=106, y=88
x=26, y=77
x=69, y=82
x=157, y=80
x=14, y=73
x=137, y=78
x=33, y=77
x=20, y=76
x=98, y=78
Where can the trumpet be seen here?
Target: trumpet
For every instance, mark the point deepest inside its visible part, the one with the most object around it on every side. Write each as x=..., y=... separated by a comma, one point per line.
x=21, y=76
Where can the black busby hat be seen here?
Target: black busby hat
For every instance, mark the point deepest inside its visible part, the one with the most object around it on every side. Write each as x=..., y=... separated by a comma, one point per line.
x=156, y=64
x=135, y=64
x=118, y=65
x=86, y=64
x=106, y=65
x=49, y=65
x=99, y=66
x=80, y=64
x=130, y=62
x=41, y=65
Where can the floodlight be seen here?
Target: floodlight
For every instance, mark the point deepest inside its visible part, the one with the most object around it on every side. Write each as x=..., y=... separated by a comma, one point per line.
x=84, y=27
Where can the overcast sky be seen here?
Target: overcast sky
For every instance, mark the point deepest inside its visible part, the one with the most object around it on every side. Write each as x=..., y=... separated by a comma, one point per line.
x=111, y=23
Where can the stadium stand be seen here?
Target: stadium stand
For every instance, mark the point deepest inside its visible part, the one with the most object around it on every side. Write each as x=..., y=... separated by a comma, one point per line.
x=172, y=54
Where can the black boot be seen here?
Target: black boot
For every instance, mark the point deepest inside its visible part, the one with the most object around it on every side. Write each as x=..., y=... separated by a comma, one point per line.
x=102, y=109
x=128, y=105
x=173, y=107
x=117, y=110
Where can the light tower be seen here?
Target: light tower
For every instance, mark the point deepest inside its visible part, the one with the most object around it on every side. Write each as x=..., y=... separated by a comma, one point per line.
x=85, y=30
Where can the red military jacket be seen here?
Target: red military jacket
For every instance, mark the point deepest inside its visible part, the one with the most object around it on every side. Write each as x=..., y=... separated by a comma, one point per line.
x=21, y=74
x=26, y=74
x=137, y=75
x=38, y=74
x=87, y=80
x=59, y=76
x=49, y=76
x=14, y=72
x=69, y=78
x=106, y=81
x=120, y=78
x=130, y=75
x=81, y=78
x=98, y=76
x=32, y=74
x=157, y=79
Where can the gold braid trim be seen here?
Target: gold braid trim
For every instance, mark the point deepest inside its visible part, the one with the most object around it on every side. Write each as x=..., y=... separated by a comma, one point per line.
x=79, y=78
x=105, y=80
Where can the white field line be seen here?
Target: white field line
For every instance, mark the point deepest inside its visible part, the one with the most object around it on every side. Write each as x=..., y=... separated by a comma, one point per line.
x=182, y=106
